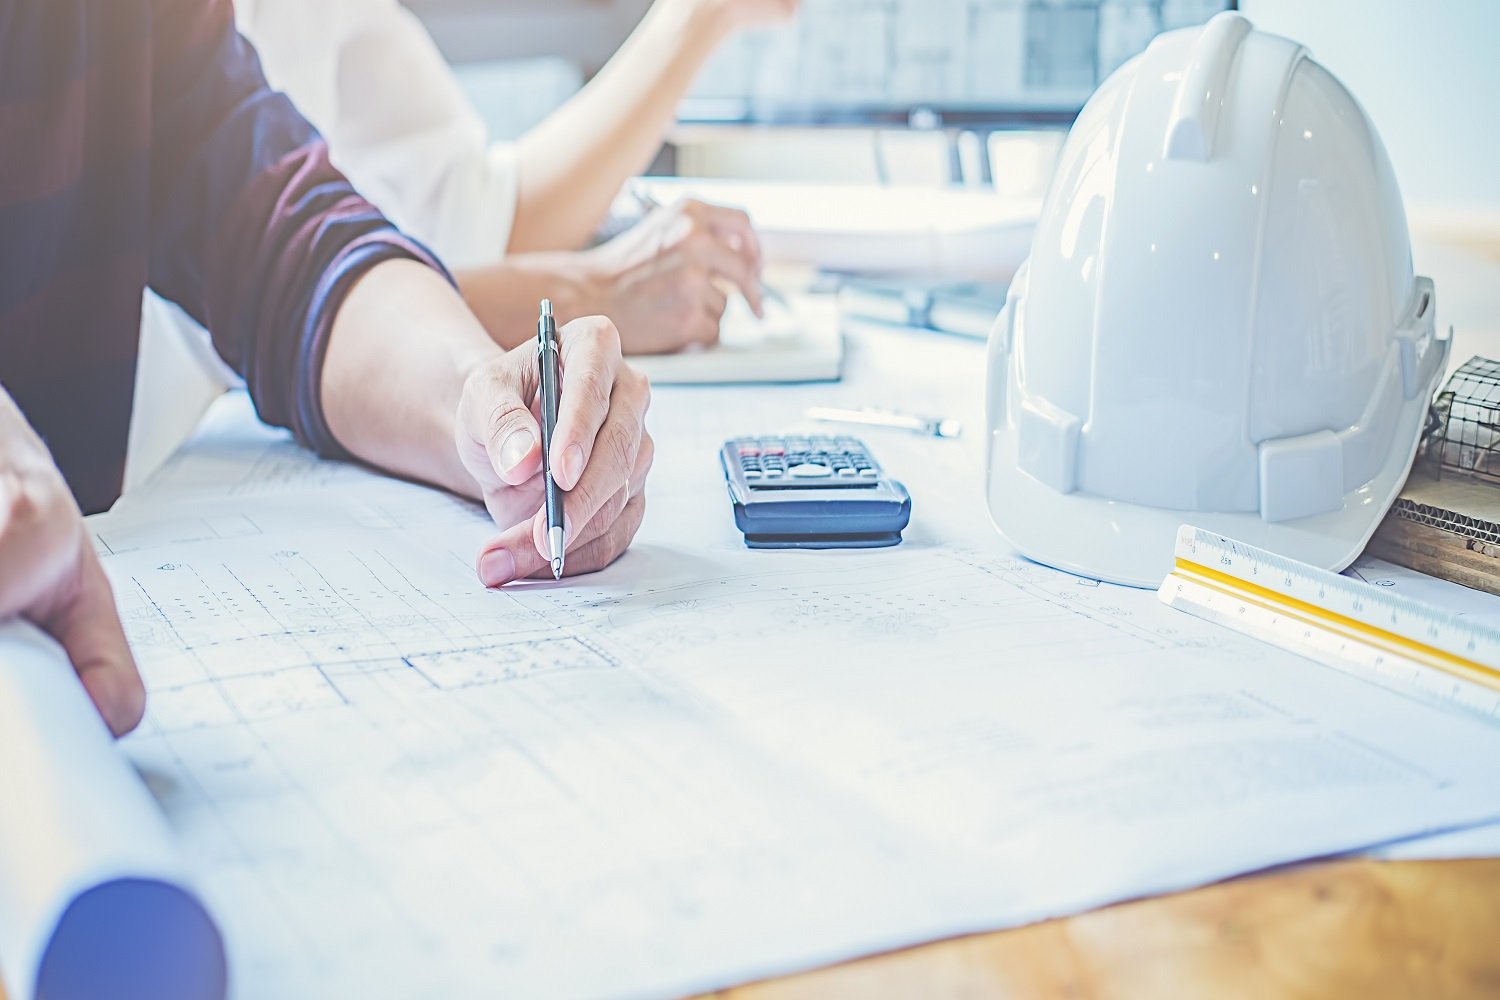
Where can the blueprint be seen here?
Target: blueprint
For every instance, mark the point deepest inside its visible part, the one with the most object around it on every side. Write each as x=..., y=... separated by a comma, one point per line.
x=705, y=764
x=79, y=831
x=989, y=53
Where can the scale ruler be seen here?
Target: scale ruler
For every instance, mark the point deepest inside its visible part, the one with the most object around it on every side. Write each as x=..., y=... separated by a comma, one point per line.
x=1418, y=648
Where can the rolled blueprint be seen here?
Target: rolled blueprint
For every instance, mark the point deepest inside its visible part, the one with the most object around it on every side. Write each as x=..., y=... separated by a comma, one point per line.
x=93, y=902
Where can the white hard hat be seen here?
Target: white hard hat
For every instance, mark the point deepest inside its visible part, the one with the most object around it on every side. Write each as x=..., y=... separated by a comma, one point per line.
x=1218, y=323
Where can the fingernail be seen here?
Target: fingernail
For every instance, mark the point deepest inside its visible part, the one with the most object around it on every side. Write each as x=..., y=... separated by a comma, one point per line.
x=497, y=567
x=120, y=700
x=515, y=448
x=573, y=464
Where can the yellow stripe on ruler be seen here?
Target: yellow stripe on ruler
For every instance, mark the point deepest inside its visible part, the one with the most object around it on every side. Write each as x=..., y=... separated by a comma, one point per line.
x=1352, y=628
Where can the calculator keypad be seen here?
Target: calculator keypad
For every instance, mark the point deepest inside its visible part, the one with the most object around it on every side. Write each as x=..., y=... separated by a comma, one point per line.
x=804, y=462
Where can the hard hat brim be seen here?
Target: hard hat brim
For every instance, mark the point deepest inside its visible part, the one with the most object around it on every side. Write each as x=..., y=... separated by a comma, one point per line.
x=1131, y=544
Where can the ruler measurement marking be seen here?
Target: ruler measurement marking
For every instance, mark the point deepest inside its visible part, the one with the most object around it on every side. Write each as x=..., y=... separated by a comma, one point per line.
x=1335, y=621
x=1351, y=628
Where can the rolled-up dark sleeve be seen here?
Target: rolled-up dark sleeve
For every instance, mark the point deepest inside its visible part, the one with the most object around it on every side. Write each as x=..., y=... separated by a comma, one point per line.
x=254, y=233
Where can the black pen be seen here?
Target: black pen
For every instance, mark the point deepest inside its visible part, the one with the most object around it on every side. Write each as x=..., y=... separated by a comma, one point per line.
x=546, y=359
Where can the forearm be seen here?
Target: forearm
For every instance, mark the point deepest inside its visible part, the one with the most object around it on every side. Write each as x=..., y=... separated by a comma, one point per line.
x=505, y=296
x=573, y=164
x=398, y=353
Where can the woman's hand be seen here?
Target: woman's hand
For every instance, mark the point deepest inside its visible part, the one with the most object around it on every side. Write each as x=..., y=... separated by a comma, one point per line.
x=665, y=283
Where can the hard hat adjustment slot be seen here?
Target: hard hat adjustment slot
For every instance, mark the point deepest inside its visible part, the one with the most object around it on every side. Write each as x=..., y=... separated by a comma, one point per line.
x=1420, y=353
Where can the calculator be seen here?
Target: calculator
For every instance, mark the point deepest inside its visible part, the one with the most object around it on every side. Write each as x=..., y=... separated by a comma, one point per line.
x=812, y=493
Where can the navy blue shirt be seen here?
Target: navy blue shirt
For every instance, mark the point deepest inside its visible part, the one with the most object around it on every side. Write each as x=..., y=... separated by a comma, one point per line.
x=140, y=145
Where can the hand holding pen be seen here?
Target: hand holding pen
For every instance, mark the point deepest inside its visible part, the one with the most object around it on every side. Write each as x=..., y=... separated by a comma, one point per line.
x=598, y=453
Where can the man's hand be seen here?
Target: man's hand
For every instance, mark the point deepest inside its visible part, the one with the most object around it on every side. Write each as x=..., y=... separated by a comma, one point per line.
x=50, y=575
x=601, y=453
x=413, y=384
x=665, y=282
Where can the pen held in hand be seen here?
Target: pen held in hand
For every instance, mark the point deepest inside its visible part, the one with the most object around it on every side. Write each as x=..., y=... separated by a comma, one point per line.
x=546, y=355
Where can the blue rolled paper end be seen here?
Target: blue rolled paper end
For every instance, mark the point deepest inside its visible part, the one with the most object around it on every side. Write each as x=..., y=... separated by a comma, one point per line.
x=134, y=939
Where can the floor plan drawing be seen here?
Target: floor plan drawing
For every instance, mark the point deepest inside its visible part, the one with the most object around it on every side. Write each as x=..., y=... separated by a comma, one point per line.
x=378, y=769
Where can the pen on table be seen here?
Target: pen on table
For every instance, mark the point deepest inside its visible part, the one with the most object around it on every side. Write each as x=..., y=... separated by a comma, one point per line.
x=942, y=427
x=546, y=359
x=648, y=203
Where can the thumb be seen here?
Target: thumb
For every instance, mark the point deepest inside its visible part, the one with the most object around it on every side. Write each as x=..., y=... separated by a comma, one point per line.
x=497, y=414
x=89, y=629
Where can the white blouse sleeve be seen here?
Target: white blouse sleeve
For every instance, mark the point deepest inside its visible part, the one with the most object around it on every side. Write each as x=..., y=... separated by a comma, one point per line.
x=370, y=78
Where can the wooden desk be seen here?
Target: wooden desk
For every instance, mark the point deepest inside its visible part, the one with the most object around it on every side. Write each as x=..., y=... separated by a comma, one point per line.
x=1354, y=929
